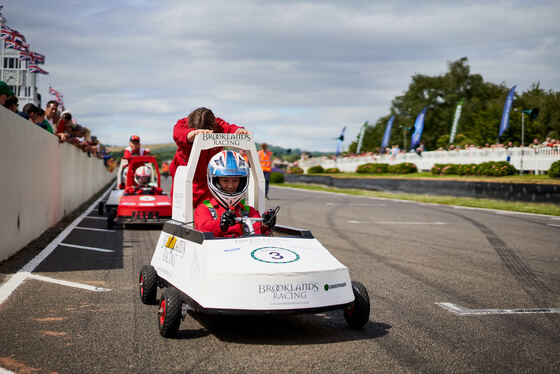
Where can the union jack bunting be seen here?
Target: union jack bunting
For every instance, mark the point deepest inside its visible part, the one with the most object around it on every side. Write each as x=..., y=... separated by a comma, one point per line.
x=37, y=58
x=54, y=92
x=36, y=69
x=13, y=34
x=16, y=43
x=26, y=56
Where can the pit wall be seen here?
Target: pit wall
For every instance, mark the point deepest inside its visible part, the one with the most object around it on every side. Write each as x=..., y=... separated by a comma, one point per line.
x=41, y=181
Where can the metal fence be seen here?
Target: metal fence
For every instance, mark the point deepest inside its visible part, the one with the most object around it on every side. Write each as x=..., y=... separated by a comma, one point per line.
x=536, y=159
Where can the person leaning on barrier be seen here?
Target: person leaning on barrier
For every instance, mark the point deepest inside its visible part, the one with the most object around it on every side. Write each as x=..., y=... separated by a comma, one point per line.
x=5, y=92
x=199, y=121
x=11, y=103
x=228, y=179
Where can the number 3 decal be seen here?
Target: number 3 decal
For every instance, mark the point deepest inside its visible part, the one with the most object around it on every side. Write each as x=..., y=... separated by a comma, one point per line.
x=275, y=255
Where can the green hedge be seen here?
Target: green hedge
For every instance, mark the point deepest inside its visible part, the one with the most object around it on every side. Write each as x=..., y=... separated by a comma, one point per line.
x=554, y=171
x=490, y=168
x=295, y=170
x=332, y=170
x=276, y=177
x=372, y=168
x=317, y=169
x=403, y=168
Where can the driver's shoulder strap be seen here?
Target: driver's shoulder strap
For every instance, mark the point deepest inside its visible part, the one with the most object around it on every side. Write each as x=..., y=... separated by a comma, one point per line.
x=246, y=208
x=211, y=209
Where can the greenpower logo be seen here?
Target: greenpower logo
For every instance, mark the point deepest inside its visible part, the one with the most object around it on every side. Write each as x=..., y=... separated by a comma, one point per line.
x=333, y=286
x=274, y=255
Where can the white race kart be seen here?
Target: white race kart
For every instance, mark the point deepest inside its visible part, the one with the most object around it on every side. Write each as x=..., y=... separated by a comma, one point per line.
x=290, y=272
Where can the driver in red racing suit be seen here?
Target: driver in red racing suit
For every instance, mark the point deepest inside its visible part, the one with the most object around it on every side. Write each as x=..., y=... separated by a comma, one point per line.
x=228, y=179
x=201, y=120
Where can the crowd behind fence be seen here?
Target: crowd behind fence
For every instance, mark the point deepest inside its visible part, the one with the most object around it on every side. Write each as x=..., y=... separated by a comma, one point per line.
x=531, y=159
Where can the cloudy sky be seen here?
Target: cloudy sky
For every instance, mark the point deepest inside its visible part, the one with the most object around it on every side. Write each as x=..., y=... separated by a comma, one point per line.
x=293, y=72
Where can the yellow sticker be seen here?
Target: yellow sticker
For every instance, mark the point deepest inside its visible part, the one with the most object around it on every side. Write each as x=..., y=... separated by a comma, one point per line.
x=171, y=242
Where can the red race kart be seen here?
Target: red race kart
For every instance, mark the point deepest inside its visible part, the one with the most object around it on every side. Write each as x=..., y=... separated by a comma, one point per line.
x=141, y=204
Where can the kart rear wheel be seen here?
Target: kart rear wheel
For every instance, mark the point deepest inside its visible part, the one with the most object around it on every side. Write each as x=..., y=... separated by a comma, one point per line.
x=169, y=313
x=111, y=219
x=100, y=208
x=357, y=314
x=148, y=284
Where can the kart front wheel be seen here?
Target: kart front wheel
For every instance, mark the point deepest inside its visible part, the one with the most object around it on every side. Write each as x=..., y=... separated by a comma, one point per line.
x=100, y=208
x=111, y=219
x=357, y=314
x=169, y=313
x=148, y=284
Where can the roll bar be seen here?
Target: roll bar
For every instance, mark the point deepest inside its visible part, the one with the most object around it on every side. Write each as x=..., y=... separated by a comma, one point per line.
x=182, y=183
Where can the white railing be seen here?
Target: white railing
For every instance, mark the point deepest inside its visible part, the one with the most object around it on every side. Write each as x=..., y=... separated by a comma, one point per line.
x=536, y=159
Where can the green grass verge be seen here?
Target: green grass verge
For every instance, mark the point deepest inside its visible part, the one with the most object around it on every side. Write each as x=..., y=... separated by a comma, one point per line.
x=550, y=209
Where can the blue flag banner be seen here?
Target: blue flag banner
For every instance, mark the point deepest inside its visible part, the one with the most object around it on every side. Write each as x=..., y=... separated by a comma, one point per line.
x=340, y=140
x=418, y=127
x=387, y=134
x=505, y=114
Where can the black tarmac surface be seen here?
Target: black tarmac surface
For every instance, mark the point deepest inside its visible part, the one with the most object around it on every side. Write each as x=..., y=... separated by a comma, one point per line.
x=409, y=255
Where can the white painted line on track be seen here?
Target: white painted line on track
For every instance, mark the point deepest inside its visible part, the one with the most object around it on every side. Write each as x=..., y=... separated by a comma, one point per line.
x=457, y=309
x=397, y=222
x=103, y=218
x=552, y=224
x=88, y=248
x=68, y=283
x=364, y=205
x=94, y=229
x=14, y=282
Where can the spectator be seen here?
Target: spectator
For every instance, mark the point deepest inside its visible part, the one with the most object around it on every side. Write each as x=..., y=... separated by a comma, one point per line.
x=64, y=126
x=5, y=92
x=29, y=112
x=134, y=148
x=51, y=110
x=41, y=121
x=265, y=158
x=200, y=121
x=11, y=103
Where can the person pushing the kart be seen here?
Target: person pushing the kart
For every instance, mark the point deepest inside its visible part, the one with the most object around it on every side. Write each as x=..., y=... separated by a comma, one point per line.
x=228, y=179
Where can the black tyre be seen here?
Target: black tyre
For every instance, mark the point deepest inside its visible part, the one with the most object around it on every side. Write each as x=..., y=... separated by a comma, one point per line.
x=357, y=314
x=148, y=284
x=111, y=218
x=169, y=313
x=100, y=208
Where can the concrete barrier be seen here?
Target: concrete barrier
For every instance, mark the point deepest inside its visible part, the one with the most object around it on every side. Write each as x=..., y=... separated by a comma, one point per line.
x=540, y=193
x=41, y=181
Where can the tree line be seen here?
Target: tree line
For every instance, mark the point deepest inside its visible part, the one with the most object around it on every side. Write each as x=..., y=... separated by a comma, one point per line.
x=479, y=123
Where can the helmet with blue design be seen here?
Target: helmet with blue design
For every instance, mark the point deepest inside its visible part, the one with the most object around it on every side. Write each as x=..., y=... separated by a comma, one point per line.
x=228, y=164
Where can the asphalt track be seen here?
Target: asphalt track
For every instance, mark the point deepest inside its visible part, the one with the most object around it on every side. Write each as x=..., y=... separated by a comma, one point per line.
x=502, y=270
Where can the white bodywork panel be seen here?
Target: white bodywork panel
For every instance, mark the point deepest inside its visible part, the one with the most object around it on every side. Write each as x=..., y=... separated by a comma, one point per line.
x=254, y=273
x=182, y=182
x=114, y=197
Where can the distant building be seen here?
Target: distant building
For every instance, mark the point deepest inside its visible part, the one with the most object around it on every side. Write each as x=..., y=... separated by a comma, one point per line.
x=15, y=72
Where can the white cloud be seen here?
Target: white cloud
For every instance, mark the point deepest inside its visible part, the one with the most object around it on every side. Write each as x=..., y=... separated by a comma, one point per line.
x=293, y=72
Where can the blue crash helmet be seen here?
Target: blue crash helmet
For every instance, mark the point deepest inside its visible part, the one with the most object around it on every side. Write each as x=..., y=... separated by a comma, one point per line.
x=228, y=164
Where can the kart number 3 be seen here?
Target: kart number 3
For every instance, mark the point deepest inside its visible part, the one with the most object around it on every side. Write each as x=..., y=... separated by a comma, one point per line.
x=274, y=255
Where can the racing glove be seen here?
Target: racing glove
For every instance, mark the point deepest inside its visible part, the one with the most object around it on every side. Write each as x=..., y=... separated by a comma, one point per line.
x=269, y=218
x=227, y=220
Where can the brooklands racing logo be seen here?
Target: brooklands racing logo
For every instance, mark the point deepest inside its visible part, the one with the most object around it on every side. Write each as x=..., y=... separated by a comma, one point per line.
x=274, y=255
x=288, y=291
